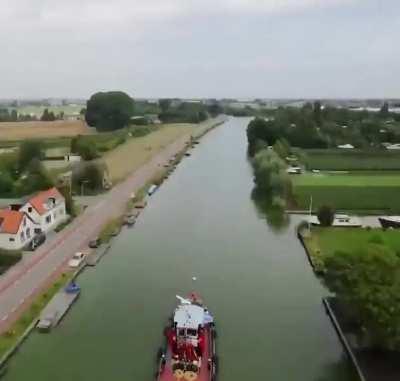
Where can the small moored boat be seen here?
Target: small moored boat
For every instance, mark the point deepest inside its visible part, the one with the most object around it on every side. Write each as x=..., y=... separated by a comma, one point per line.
x=189, y=353
x=152, y=189
x=390, y=222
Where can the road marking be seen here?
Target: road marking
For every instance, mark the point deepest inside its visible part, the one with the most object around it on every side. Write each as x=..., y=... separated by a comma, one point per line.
x=4, y=318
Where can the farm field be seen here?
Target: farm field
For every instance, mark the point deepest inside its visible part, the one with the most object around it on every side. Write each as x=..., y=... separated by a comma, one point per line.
x=131, y=155
x=340, y=159
x=365, y=193
x=38, y=110
x=12, y=131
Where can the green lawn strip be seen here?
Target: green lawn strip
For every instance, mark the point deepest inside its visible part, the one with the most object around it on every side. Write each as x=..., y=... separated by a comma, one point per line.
x=347, y=180
x=339, y=159
x=326, y=241
x=11, y=337
x=360, y=199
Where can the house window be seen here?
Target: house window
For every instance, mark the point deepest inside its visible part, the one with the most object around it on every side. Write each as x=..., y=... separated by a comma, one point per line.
x=24, y=221
x=30, y=209
x=28, y=233
x=48, y=219
x=11, y=239
x=22, y=237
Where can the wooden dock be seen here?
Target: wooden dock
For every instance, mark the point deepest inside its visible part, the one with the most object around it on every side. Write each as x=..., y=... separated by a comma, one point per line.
x=57, y=308
x=94, y=257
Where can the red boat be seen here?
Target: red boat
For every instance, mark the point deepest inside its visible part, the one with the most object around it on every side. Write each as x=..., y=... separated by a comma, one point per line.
x=189, y=352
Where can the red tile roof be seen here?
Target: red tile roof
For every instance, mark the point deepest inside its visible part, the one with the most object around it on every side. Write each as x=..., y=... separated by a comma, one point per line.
x=10, y=221
x=39, y=201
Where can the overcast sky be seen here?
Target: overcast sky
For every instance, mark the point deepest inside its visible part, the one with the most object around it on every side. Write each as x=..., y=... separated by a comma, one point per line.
x=200, y=48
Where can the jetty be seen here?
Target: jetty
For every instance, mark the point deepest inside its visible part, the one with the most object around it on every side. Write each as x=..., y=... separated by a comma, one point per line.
x=94, y=257
x=58, y=306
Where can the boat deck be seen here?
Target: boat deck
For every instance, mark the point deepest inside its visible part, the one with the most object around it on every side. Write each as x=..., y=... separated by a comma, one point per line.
x=204, y=374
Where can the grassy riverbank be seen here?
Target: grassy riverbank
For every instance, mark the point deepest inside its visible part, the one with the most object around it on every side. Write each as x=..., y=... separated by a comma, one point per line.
x=11, y=337
x=327, y=241
x=129, y=156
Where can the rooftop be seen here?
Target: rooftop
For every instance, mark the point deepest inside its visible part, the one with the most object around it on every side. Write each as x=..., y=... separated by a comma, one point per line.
x=40, y=200
x=189, y=316
x=10, y=221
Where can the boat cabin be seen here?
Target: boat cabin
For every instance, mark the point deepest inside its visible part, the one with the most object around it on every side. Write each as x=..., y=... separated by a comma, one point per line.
x=188, y=319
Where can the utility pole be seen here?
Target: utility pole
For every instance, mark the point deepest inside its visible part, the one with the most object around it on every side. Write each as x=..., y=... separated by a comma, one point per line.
x=310, y=213
x=82, y=185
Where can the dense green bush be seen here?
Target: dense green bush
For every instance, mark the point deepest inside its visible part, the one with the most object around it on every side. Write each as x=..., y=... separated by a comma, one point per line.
x=28, y=151
x=9, y=258
x=90, y=174
x=326, y=215
x=367, y=282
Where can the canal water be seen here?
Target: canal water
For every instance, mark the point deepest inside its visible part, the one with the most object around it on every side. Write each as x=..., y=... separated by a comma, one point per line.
x=255, y=279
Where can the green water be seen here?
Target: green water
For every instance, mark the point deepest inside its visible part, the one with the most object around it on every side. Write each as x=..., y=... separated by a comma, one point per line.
x=202, y=222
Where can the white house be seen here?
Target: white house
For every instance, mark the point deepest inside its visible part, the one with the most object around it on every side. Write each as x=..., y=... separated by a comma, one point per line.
x=46, y=209
x=16, y=229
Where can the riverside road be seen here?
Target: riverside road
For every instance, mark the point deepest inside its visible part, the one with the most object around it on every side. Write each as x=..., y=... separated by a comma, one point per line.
x=26, y=279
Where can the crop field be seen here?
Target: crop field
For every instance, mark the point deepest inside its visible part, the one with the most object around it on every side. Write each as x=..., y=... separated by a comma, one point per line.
x=12, y=131
x=375, y=192
x=38, y=110
x=133, y=153
x=341, y=159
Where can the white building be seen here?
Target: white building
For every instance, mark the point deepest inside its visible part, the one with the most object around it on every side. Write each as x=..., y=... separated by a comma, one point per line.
x=46, y=209
x=16, y=229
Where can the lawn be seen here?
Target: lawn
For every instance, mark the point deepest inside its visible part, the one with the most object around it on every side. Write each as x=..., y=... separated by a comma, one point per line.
x=353, y=191
x=326, y=241
x=129, y=156
x=353, y=159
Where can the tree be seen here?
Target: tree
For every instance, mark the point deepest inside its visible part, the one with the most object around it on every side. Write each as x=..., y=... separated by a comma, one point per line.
x=385, y=109
x=83, y=147
x=90, y=174
x=36, y=178
x=6, y=183
x=164, y=104
x=29, y=150
x=326, y=215
x=367, y=282
x=14, y=116
x=47, y=116
x=69, y=201
x=109, y=111
x=317, y=113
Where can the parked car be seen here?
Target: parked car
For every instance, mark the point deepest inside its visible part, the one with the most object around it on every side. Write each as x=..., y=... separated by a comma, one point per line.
x=77, y=259
x=37, y=240
x=95, y=243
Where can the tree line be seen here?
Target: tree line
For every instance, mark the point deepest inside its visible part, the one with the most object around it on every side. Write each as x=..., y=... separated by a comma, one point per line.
x=313, y=126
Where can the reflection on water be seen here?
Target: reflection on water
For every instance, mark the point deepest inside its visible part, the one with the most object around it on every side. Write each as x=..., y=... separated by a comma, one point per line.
x=276, y=217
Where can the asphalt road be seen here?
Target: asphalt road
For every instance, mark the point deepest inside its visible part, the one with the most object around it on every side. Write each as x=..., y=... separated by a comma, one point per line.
x=19, y=285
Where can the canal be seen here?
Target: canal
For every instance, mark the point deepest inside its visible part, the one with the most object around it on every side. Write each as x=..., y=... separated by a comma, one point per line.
x=255, y=279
